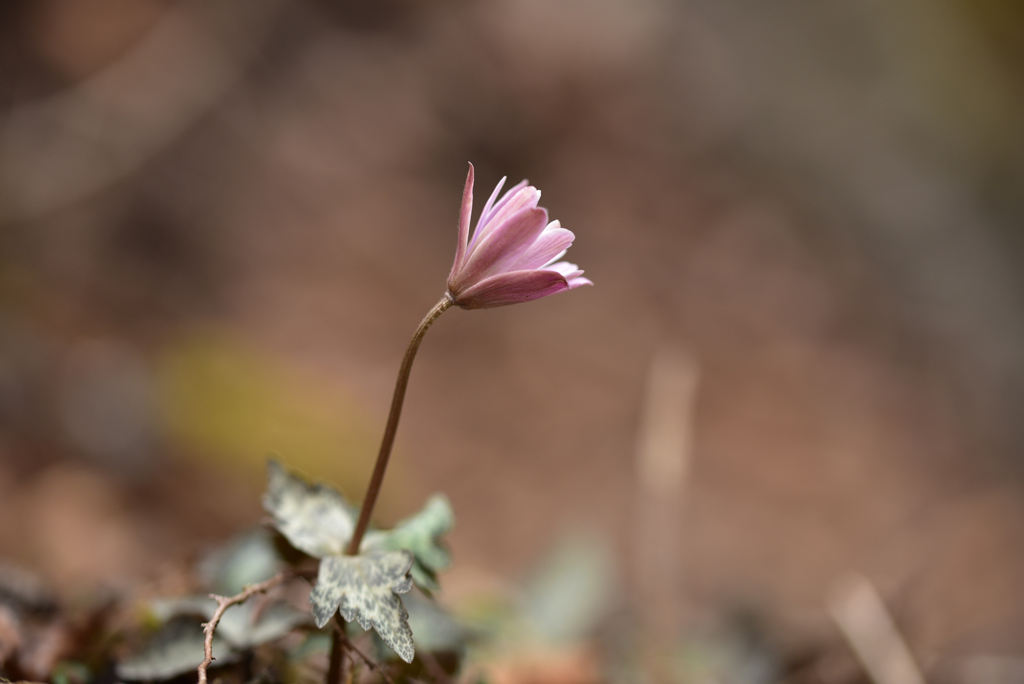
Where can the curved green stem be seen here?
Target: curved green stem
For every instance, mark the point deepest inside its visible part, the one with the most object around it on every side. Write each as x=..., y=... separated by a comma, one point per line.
x=392, y=427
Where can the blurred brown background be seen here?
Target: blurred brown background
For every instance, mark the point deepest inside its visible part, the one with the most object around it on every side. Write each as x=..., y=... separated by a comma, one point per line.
x=222, y=220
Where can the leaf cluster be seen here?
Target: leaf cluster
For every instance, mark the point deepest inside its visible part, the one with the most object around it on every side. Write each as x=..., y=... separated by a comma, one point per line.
x=363, y=588
x=272, y=632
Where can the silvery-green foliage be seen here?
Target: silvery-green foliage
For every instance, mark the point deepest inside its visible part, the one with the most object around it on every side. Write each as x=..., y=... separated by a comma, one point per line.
x=243, y=625
x=249, y=625
x=420, y=534
x=366, y=588
x=570, y=590
x=435, y=628
x=176, y=649
x=249, y=558
x=314, y=518
x=317, y=520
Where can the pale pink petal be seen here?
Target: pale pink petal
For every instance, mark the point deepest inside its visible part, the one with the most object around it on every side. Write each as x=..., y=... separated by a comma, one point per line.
x=549, y=245
x=515, y=200
x=504, y=245
x=557, y=256
x=570, y=276
x=577, y=281
x=513, y=254
x=512, y=288
x=565, y=268
x=464, y=216
x=490, y=207
x=486, y=211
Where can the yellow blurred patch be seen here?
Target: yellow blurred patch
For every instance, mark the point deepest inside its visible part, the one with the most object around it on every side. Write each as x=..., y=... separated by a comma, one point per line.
x=225, y=401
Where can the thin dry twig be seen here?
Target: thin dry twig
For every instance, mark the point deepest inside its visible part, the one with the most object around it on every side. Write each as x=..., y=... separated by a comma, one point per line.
x=225, y=602
x=664, y=458
x=865, y=621
x=362, y=656
x=434, y=668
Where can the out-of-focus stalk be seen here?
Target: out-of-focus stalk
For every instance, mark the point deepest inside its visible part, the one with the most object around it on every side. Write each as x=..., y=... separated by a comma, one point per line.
x=392, y=427
x=335, y=672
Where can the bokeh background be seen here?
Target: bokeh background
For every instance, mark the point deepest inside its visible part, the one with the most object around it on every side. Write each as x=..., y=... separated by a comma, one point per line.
x=803, y=357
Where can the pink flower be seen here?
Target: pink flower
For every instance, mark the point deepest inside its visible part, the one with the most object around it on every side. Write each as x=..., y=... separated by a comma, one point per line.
x=512, y=256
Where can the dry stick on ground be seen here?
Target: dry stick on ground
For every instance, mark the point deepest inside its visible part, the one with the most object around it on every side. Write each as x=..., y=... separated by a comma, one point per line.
x=434, y=668
x=362, y=656
x=225, y=602
x=664, y=454
x=861, y=614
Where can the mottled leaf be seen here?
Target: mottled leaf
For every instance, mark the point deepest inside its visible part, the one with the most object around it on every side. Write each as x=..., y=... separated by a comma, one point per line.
x=313, y=517
x=242, y=626
x=570, y=590
x=241, y=630
x=435, y=628
x=318, y=520
x=366, y=588
x=166, y=609
x=420, y=534
x=176, y=649
x=247, y=559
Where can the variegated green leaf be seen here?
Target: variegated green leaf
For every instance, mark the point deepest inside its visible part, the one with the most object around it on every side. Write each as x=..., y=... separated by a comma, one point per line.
x=246, y=626
x=242, y=626
x=366, y=588
x=420, y=534
x=313, y=517
x=174, y=650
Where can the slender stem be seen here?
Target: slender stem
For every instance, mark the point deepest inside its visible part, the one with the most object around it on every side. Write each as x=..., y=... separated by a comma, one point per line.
x=392, y=427
x=336, y=665
x=334, y=673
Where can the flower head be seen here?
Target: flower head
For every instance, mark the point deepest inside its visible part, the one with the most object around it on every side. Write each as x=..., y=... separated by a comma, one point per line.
x=513, y=254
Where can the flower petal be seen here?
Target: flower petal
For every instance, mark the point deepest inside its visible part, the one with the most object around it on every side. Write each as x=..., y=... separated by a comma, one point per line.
x=464, y=215
x=576, y=282
x=551, y=244
x=512, y=288
x=502, y=247
x=567, y=269
x=515, y=200
x=485, y=212
x=571, y=272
